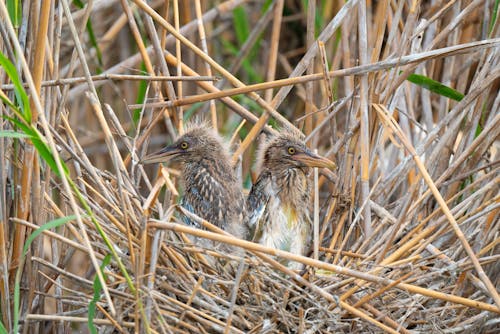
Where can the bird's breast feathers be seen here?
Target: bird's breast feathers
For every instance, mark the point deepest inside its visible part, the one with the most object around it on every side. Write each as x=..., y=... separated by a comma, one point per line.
x=279, y=210
x=283, y=227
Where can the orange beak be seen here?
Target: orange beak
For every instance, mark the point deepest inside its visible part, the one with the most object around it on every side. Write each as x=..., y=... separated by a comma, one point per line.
x=311, y=159
x=162, y=155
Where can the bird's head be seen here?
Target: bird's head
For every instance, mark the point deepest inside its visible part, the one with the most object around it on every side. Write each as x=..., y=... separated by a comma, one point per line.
x=197, y=143
x=288, y=150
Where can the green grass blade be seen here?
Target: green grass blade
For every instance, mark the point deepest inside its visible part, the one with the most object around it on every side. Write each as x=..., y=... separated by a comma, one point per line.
x=253, y=76
x=46, y=154
x=7, y=101
x=51, y=224
x=13, y=134
x=250, y=104
x=266, y=6
x=17, y=286
x=435, y=86
x=15, y=12
x=241, y=25
x=318, y=18
x=493, y=17
x=141, y=96
x=189, y=112
x=93, y=42
x=3, y=330
x=97, y=287
x=21, y=96
x=24, y=123
x=41, y=147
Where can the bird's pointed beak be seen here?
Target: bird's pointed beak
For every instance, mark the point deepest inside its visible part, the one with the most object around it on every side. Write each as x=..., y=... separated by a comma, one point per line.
x=162, y=155
x=311, y=159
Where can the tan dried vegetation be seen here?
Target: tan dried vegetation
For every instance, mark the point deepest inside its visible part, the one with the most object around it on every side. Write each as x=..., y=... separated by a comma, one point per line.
x=408, y=224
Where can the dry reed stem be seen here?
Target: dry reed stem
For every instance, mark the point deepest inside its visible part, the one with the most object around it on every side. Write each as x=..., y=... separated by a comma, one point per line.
x=363, y=116
x=356, y=70
x=273, y=52
x=120, y=170
x=311, y=16
x=51, y=317
x=115, y=77
x=316, y=239
x=204, y=47
x=178, y=68
x=245, y=49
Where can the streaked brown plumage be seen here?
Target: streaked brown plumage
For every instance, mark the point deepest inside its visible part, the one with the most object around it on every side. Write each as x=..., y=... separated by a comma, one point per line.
x=278, y=203
x=212, y=190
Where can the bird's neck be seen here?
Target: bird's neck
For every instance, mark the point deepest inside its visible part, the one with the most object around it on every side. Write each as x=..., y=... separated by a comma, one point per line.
x=293, y=186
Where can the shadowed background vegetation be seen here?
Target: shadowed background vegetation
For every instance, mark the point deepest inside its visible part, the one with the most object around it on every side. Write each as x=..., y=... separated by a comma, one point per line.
x=402, y=95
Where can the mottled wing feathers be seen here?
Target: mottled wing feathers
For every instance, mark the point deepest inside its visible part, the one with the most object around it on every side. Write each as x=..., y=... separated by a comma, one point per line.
x=257, y=202
x=186, y=220
x=206, y=194
x=214, y=195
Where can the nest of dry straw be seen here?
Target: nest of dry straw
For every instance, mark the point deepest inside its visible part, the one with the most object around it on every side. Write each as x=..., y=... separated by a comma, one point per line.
x=408, y=108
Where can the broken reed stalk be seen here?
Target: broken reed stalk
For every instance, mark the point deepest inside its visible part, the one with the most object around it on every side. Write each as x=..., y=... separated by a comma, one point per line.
x=115, y=77
x=364, y=122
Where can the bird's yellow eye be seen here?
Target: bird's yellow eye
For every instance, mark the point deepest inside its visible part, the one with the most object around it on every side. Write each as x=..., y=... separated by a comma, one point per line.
x=184, y=145
x=291, y=150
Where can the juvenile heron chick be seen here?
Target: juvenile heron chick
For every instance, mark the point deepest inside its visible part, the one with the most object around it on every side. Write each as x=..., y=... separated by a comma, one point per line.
x=278, y=203
x=212, y=190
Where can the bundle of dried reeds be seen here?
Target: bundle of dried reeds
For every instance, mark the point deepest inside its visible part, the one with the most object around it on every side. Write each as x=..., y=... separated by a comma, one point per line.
x=403, y=95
